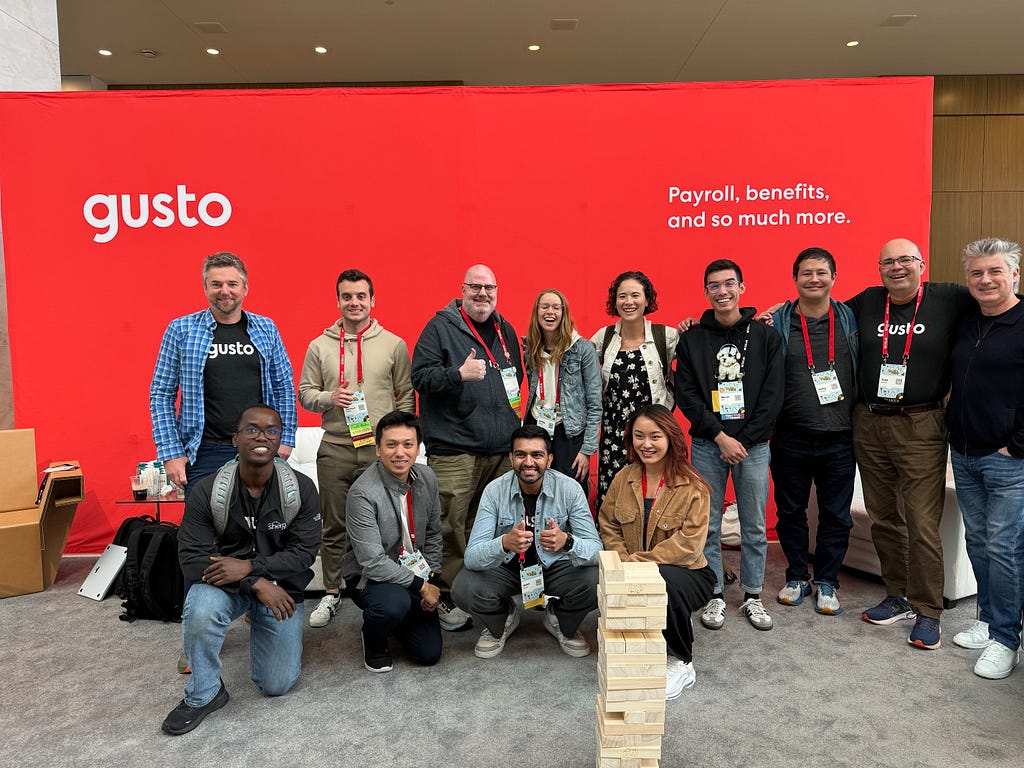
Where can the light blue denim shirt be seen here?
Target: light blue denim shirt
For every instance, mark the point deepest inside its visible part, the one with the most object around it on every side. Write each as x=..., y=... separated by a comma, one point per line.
x=579, y=380
x=501, y=508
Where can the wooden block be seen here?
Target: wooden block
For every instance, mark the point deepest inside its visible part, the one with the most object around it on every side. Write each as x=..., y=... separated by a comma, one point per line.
x=640, y=684
x=635, y=622
x=645, y=741
x=626, y=611
x=644, y=716
x=611, y=566
x=614, y=724
x=637, y=587
x=628, y=659
x=611, y=641
x=654, y=707
x=639, y=696
x=656, y=622
x=619, y=762
x=634, y=569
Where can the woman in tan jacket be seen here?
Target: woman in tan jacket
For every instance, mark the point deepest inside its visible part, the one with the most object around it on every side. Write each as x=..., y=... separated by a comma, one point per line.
x=656, y=510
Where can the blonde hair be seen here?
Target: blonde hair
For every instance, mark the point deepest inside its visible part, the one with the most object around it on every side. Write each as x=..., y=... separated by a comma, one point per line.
x=535, y=336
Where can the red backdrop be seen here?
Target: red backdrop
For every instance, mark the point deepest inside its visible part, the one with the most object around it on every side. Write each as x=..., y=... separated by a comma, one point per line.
x=553, y=186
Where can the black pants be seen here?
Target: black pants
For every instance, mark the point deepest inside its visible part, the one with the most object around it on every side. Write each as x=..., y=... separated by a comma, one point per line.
x=564, y=450
x=390, y=609
x=687, y=590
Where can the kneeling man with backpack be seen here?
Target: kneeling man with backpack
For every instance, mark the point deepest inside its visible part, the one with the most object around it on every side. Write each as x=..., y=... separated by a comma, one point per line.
x=248, y=538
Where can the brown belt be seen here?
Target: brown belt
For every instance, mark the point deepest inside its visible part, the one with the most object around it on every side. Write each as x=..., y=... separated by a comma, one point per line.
x=902, y=410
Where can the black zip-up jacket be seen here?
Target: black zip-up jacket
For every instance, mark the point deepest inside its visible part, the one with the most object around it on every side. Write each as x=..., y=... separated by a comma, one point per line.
x=278, y=553
x=986, y=404
x=472, y=417
x=763, y=377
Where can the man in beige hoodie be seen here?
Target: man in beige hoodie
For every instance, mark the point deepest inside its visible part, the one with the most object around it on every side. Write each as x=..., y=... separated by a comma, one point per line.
x=351, y=393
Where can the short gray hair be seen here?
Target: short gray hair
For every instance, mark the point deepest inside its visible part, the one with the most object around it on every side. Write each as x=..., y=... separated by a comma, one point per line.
x=225, y=259
x=991, y=246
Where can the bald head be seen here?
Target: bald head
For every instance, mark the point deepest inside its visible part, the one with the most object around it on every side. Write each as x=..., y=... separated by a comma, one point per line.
x=479, y=292
x=901, y=267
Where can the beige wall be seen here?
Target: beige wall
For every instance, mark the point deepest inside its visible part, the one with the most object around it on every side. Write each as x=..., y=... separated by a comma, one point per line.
x=977, y=166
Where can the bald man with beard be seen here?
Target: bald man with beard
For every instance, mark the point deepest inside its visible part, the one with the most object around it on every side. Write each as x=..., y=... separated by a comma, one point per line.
x=467, y=368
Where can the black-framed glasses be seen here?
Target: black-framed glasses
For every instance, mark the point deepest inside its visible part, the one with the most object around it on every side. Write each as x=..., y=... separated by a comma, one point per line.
x=477, y=287
x=272, y=433
x=903, y=261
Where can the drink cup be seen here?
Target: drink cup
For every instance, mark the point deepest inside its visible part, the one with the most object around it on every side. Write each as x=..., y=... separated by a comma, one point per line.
x=140, y=488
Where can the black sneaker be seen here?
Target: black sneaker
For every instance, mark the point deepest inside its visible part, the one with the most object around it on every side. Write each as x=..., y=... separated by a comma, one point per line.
x=184, y=718
x=376, y=656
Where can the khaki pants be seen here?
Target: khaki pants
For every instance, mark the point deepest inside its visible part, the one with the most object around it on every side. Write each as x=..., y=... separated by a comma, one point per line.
x=337, y=467
x=460, y=481
x=902, y=463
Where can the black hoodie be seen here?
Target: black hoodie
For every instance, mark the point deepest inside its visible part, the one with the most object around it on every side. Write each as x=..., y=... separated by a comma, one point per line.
x=763, y=368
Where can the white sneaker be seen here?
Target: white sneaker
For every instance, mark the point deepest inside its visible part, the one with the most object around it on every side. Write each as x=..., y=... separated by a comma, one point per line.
x=714, y=613
x=997, y=661
x=323, y=613
x=756, y=613
x=452, y=617
x=974, y=637
x=489, y=646
x=679, y=675
x=575, y=646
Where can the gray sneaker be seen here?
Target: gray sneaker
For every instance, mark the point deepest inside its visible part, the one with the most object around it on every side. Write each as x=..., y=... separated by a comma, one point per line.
x=575, y=646
x=974, y=637
x=756, y=614
x=452, y=617
x=323, y=613
x=489, y=646
x=714, y=613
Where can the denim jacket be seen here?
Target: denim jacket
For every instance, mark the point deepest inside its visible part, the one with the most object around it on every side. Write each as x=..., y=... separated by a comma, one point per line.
x=501, y=507
x=579, y=379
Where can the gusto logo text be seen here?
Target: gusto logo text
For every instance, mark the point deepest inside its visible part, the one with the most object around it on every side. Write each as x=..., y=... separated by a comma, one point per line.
x=106, y=212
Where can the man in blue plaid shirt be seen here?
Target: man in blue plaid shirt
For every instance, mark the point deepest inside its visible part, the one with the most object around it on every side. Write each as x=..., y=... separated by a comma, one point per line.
x=222, y=360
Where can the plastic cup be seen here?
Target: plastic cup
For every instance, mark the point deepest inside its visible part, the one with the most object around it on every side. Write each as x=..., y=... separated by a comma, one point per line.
x=140, y=488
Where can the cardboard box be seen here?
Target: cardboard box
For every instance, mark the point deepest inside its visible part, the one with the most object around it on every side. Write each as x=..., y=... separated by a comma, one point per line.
x=32, y=536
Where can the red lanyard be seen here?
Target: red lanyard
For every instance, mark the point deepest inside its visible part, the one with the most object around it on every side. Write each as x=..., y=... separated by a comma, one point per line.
x=558, y=385
x=522, y=555
x=910, y=328
x=359, y=357
x=831, y=338
x=643, y=486
x=479, y=338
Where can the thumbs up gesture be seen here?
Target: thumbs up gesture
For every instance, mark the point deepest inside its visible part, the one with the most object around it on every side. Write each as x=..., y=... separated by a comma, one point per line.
x=473, y=369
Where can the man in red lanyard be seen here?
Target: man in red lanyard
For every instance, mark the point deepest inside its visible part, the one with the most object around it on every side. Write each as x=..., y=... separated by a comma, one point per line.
x=351, y=391
x=813, y=440
x=394, y=547
x=534, y=535
x=907, y=331
x=729, y=385
x=468, y=370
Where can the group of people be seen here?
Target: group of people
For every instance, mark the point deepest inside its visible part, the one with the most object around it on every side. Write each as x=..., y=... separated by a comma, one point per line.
x=500, y=508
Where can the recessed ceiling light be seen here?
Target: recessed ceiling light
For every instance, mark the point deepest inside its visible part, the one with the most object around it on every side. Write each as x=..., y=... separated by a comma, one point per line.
x=320, y=49
x=853, y=44
x=213, y=51
x=533, y=47
x=105, y=52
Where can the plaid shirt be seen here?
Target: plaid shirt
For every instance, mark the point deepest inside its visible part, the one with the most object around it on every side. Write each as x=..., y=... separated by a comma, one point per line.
x=183, y=354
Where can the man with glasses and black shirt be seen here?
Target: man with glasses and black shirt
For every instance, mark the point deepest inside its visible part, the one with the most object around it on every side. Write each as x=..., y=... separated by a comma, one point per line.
x=468, y=369
x=907, y=331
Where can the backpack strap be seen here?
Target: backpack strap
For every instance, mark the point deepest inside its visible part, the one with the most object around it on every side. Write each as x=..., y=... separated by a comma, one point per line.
x=661, y=343
x=224, y=487
x=609, y=331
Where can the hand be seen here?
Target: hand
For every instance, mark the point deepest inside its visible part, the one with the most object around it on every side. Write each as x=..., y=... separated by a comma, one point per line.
x=473, y=369
x=686, y=324
x=581, y=466
x=278, y=601
x=284, y=451
x=552, y=538
x=732, y=450
x=226, y=570
x=430, y=596
x=175, y=469
x=766, y=316
x=1005, y=452
x=517, y=540
x=342, y=396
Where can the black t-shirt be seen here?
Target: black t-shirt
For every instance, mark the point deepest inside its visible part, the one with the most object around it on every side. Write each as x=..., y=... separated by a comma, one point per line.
x=231, y=379
x=935, y=329
x=530, y=502
x=801, y=407
x=489, y=335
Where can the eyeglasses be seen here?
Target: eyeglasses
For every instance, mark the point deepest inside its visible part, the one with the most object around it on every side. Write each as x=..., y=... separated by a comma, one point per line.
x=728, y=285
x=477, y=287
x=903, y=261
x=272, y=433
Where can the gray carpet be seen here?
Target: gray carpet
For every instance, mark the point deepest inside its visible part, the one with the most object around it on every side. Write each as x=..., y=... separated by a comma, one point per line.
x=81, y=688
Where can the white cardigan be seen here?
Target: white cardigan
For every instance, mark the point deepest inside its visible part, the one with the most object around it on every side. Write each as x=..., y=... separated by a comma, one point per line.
x=661, y=391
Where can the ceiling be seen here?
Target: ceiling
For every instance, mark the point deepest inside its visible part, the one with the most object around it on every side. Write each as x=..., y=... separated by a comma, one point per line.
x=484, y=42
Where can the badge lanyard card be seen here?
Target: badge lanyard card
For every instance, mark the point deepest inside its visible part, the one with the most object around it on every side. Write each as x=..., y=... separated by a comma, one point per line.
x=892, y=377
x=357, y=415
x=508, y=374
x=531, y=577
x=826, y=383
x=412, y=558
x=547, y=418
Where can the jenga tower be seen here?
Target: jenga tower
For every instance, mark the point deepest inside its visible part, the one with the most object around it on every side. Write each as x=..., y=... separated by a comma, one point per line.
x=630, y=663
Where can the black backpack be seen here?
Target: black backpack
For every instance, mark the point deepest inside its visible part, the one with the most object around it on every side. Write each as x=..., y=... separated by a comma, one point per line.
x=124, y=533
x=154, y=585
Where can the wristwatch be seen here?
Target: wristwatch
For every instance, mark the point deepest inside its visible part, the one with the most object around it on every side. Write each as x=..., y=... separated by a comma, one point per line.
x=568, y=542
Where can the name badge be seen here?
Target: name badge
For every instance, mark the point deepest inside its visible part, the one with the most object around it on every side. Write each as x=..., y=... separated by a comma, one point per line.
x=508, y=378
x=548, y=419
x=531, y=580
x=358, y=418
x=730, y=400
x=891, y=380
x=416, y=563
x=827, y=385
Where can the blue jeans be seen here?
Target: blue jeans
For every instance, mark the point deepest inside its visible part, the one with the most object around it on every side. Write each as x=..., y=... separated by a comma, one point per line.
x=990, y=492
x=274, y=646
x=798, y=458
x=209, y=458
x=750, y=479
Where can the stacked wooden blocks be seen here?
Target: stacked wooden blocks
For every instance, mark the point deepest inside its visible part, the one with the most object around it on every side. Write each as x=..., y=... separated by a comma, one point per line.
x=630, y=663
